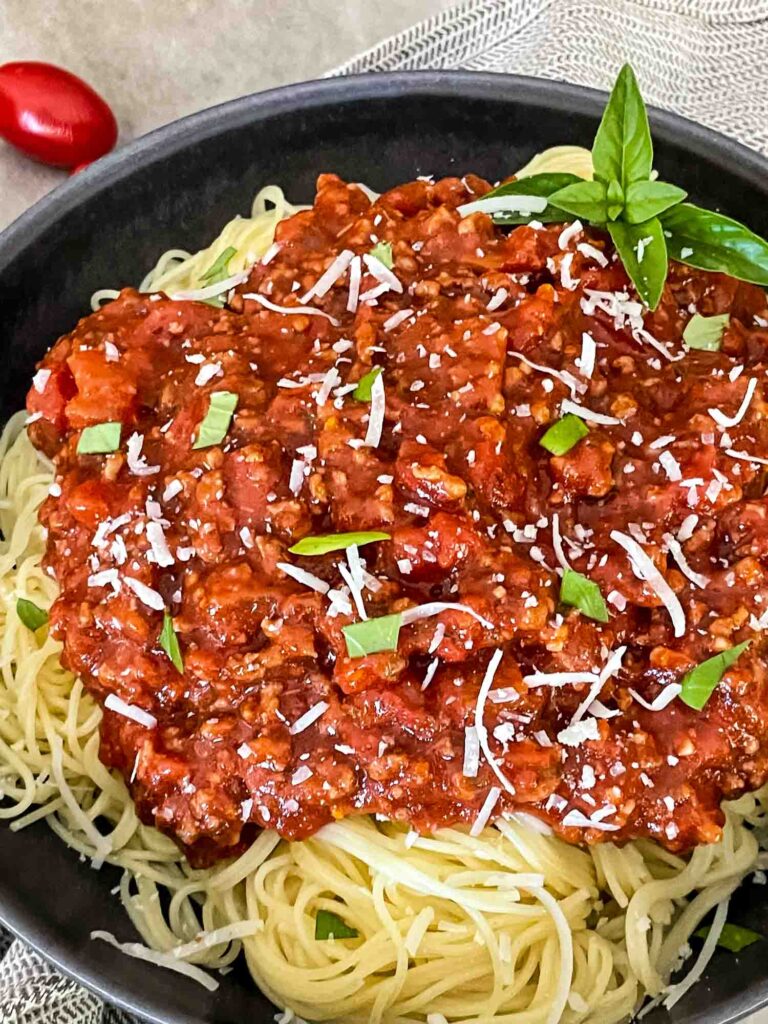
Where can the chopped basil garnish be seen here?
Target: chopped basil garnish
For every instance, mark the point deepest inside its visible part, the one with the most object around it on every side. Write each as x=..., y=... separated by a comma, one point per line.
x=382, y=252
x=705, y=332
x=323, y=543
x=648, y=220
x=700, y=682
x=330, y=926
x=219, y=269
x=564, y=434
x=213, y=429
x=733, y=937
x=363, y=390
x=170, y=643
x=99, y=439
x=29, y=613
x=372, y=635
x=579, y=592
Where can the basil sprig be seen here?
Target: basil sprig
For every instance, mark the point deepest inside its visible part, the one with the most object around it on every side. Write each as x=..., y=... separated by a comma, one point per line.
x=646, y=219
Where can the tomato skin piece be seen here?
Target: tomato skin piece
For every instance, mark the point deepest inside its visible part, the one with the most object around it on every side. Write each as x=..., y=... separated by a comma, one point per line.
x=52, y=115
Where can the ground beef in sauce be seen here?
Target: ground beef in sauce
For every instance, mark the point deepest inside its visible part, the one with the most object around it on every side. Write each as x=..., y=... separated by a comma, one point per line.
x=469, y=496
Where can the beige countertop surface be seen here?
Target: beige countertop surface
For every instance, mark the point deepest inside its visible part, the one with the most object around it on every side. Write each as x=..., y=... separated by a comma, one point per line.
x=154, y=62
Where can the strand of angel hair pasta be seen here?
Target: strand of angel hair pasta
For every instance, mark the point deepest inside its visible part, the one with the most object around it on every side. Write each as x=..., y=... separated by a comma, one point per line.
x=719, y=864
x=569, y=159
x=250, y=237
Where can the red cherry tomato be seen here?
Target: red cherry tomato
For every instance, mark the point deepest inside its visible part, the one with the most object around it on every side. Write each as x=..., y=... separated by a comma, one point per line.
x=52, y=115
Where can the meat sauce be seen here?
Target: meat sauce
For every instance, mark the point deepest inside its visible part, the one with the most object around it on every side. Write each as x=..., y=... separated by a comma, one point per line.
x=473, y=376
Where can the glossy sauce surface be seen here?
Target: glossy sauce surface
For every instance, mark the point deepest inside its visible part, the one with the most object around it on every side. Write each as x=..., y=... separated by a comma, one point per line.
x=473, y=504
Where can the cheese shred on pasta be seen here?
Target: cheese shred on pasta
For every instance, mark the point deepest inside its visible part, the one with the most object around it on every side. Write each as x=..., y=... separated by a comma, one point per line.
x=508, y=925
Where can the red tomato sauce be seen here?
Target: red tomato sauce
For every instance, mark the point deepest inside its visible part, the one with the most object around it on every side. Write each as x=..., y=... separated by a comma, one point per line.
x=469, y=496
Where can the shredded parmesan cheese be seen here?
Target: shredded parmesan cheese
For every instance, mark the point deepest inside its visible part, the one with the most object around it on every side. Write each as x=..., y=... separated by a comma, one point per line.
x=376, y=416
x=325, y=282
x=645, y=570
x=731, y=421
x=677, y=553
x=145, y=594
x=504, y=204
x=290, y=310
x=485, y=811
x=114, y=703
x=308, y=579
x=426, y=611
x=586, y=414
x=661, y=700
x=308, y=718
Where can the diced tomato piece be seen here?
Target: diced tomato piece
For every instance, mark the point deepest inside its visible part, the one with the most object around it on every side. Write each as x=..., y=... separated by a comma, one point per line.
x=51, y=401
x=105, y=391
x=88, y=503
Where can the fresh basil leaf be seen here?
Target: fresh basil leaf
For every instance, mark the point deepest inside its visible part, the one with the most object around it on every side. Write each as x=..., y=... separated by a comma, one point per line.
x=579, y=592
x=643, y=252
x=700, y=682
x=363, y=390
x=622, y=149
x=99, y=439
x=733, y=937
x=646, y=199
x=322, y=544
x=706, y=332
x=29, y=613
x=564, y=434
x=214, y=426
x=219, y=269
x=372, y=635
x=382, y=252
x=614, y=200
x=537, y=185
x=329, y=925
x=170, y=643
x=710, y=241
x=584, y=199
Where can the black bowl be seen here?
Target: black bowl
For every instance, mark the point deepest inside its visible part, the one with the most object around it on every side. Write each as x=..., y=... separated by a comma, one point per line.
x=178, y=186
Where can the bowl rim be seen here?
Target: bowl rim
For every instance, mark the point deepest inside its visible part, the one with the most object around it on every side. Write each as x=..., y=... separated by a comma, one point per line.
x=535, y=92
x=531, y=92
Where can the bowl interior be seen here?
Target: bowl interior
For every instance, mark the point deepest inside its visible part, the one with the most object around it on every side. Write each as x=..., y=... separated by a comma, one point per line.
x=177, y=187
